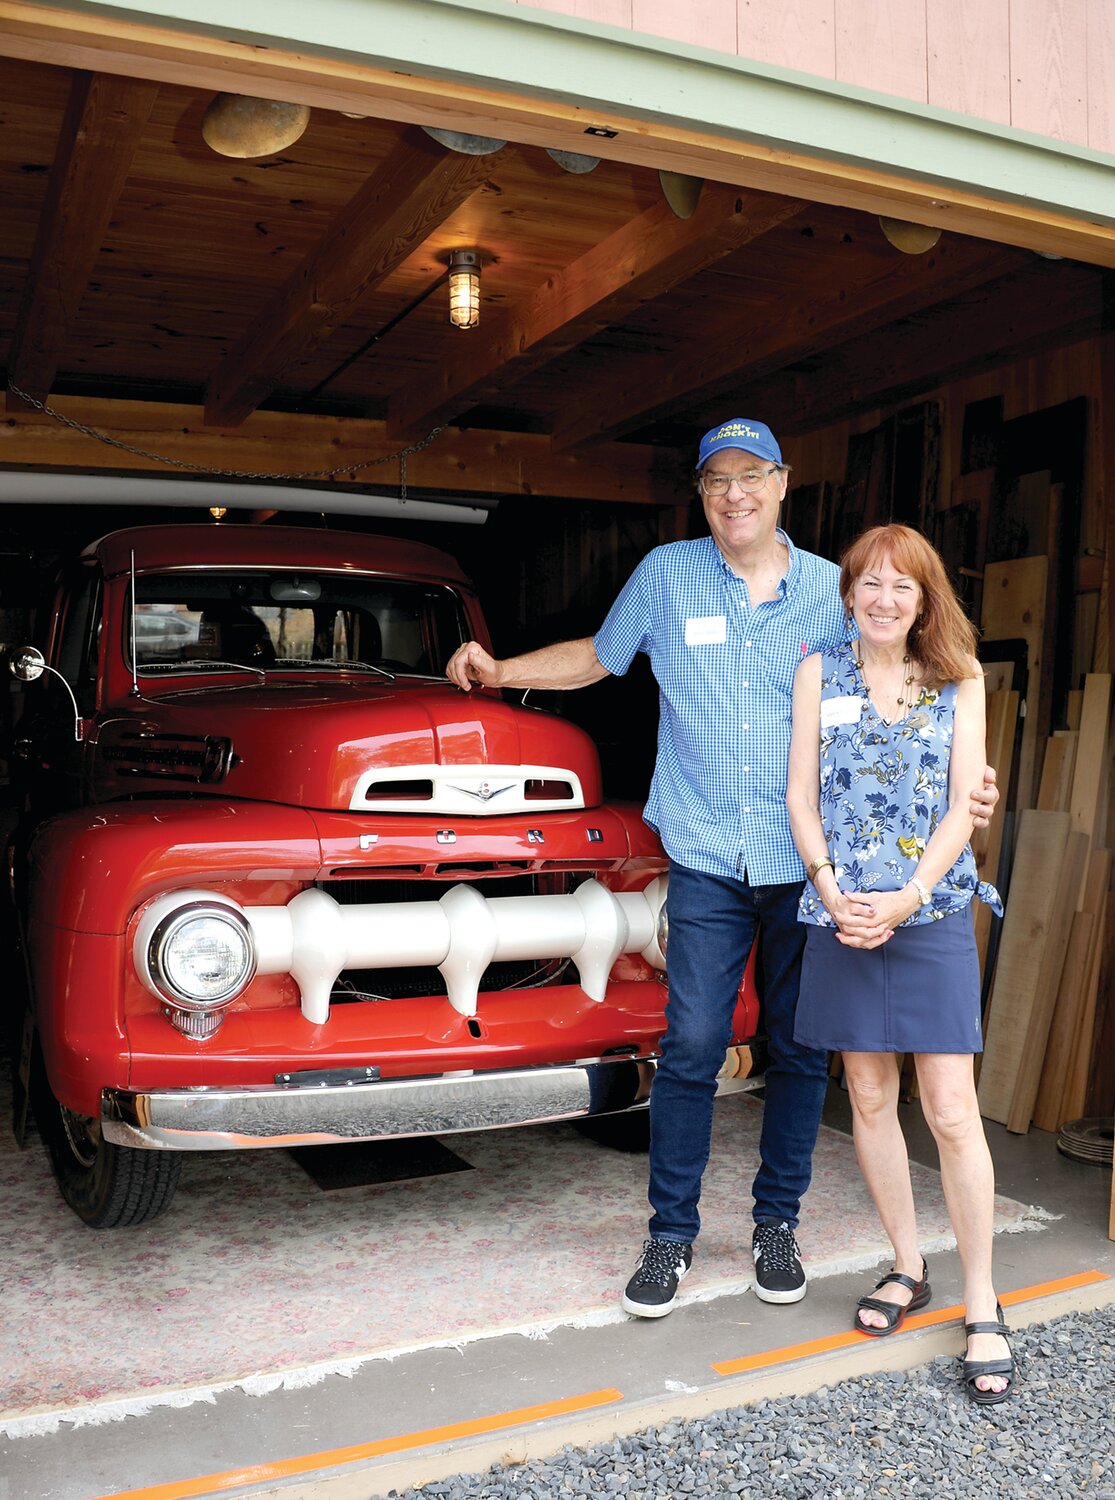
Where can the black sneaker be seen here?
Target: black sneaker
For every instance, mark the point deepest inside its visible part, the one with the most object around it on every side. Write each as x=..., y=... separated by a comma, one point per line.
x=653, y=1289
x=779, y=1276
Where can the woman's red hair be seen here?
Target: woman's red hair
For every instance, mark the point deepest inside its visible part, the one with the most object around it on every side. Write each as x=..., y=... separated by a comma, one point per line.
x=942, y=638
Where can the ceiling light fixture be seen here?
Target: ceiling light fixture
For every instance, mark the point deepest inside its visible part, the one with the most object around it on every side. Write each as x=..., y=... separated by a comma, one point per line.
x=682, y=192
x=218, y=512
x=238, y=125
x=573, y=161
x=911, y=239
x=464, y=288
x=467, y=145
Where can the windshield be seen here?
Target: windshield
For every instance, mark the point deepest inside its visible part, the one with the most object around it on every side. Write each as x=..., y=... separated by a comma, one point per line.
x=275, y=620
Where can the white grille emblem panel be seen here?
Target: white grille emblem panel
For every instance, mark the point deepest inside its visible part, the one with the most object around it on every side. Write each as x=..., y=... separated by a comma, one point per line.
x=468, y=791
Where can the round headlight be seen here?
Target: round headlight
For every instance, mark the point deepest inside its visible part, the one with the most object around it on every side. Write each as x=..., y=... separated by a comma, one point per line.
x=201, y=956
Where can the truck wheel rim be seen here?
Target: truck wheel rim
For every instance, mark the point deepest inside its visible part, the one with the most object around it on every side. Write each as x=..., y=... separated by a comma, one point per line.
x=82, y=1135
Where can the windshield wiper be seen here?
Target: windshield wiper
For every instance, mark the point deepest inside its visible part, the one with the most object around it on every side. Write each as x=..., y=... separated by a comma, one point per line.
x=308, y=665
x=205, y=665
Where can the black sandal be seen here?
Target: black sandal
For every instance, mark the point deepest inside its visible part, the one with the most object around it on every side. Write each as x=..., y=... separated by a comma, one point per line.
x=974, y=1369
x=894, y=1313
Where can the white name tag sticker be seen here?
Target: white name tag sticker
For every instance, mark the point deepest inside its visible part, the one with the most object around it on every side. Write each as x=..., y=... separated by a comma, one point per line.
x=706, y=630
x=836, y=711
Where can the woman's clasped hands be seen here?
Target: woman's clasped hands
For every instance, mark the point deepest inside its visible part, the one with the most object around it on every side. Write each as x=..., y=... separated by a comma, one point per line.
x=868, y=920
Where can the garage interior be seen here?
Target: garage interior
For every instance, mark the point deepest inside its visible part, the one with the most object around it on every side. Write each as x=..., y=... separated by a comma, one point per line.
x=285, y=316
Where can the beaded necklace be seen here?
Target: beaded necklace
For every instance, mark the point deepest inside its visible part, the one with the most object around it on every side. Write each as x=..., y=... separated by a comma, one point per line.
x=900, y=700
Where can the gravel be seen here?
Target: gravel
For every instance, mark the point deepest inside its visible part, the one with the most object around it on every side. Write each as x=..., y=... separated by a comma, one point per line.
x=895, y=1434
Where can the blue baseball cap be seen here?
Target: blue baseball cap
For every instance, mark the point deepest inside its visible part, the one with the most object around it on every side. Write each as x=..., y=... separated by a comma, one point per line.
x=740, y=432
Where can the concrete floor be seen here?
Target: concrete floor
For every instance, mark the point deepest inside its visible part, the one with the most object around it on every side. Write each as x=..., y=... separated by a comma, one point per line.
x=440, y=1411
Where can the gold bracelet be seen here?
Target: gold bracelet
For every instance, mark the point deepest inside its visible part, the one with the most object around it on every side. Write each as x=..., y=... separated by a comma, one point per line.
x=815, y=866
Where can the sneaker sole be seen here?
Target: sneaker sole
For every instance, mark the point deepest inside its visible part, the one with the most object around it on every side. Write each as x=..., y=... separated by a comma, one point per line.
x=646, y=1310
x=764, y=1295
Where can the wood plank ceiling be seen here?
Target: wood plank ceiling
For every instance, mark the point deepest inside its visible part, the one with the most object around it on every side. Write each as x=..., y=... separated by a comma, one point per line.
x=140, y=272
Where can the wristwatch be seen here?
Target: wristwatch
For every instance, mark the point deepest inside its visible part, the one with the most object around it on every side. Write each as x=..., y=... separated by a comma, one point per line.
x=924, y=898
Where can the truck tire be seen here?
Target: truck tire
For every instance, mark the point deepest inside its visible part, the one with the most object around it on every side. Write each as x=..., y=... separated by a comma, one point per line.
x=107, y=1186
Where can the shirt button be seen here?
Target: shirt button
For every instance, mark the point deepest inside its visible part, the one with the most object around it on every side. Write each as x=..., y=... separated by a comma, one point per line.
x=748, y=645
x=747, y=770
x=745, y=727
x=745, y=684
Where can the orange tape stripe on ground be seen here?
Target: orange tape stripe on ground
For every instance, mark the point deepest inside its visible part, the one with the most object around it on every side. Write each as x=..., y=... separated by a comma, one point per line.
x=915, y=1320
x=313, y=1462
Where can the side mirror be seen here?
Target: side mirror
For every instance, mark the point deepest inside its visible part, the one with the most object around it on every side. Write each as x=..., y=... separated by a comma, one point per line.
x=28, y=664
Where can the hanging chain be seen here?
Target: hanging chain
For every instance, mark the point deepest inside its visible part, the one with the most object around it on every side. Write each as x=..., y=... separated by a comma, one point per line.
x=181, y=463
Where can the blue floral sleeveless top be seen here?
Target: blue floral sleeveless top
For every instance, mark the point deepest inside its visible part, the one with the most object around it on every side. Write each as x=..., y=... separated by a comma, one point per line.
x=884, y=789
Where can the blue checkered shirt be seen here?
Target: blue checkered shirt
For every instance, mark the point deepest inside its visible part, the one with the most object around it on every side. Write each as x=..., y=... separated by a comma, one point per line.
x=725, y=675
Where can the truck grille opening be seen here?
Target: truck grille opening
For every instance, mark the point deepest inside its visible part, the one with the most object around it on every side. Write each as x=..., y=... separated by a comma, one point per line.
x=358, y=985
x=581, y=864
x=355, y=986
x=548, y=791
x=400, y=791
x=170, y=757
x=461, y=874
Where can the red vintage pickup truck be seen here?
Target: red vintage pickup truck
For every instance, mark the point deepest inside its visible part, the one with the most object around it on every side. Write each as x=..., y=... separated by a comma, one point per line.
x=279, y=884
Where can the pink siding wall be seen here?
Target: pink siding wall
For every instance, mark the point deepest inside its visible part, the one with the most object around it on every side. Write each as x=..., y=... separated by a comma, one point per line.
x=969, y=57
x=1049, y=67
x=711, y=20
x=1042, y=65
x=883, y=42
x=614, y=12
x=1101, y=71
x=798, y=34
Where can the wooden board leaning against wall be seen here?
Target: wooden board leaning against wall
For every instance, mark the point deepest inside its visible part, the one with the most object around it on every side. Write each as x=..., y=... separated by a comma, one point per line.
x=1012, y=488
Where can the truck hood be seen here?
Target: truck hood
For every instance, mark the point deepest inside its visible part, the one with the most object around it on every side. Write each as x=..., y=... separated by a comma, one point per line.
x=408, y=746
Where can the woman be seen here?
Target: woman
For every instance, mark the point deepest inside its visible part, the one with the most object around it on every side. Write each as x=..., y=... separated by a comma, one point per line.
x=880, y=814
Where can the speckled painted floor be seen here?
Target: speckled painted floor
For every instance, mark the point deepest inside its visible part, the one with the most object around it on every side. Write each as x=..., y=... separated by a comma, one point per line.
x=257, y=1277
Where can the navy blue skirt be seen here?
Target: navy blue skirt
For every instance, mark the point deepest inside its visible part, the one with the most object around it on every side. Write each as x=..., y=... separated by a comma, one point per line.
x=919, y=992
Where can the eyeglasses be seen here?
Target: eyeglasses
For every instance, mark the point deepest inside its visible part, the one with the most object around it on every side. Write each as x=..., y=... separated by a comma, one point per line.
x=719, y=484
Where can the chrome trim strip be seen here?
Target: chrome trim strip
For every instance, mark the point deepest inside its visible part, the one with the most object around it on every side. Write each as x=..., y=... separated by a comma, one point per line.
x=223, y=1119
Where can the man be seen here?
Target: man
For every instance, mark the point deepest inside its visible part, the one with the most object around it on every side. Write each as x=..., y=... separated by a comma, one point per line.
x=725, y=620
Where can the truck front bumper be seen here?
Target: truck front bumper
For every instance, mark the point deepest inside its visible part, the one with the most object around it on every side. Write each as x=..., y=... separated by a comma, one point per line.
x=324, y=1113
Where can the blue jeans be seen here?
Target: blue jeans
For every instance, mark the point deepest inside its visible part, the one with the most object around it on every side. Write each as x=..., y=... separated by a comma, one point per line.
x=713, y=923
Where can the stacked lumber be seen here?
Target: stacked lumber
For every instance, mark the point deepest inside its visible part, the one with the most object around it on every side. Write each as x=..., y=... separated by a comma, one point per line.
x=1002, y=719
x=1016, y=606
x=1048, y=1004
x=1056, y=771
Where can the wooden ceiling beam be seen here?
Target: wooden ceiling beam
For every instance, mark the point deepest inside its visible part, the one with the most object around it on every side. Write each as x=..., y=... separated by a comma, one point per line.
x=271, y=445
x=403, y=201
x=104, y=119
x=1042, y=309
x=715, y=366
x=641, y=260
